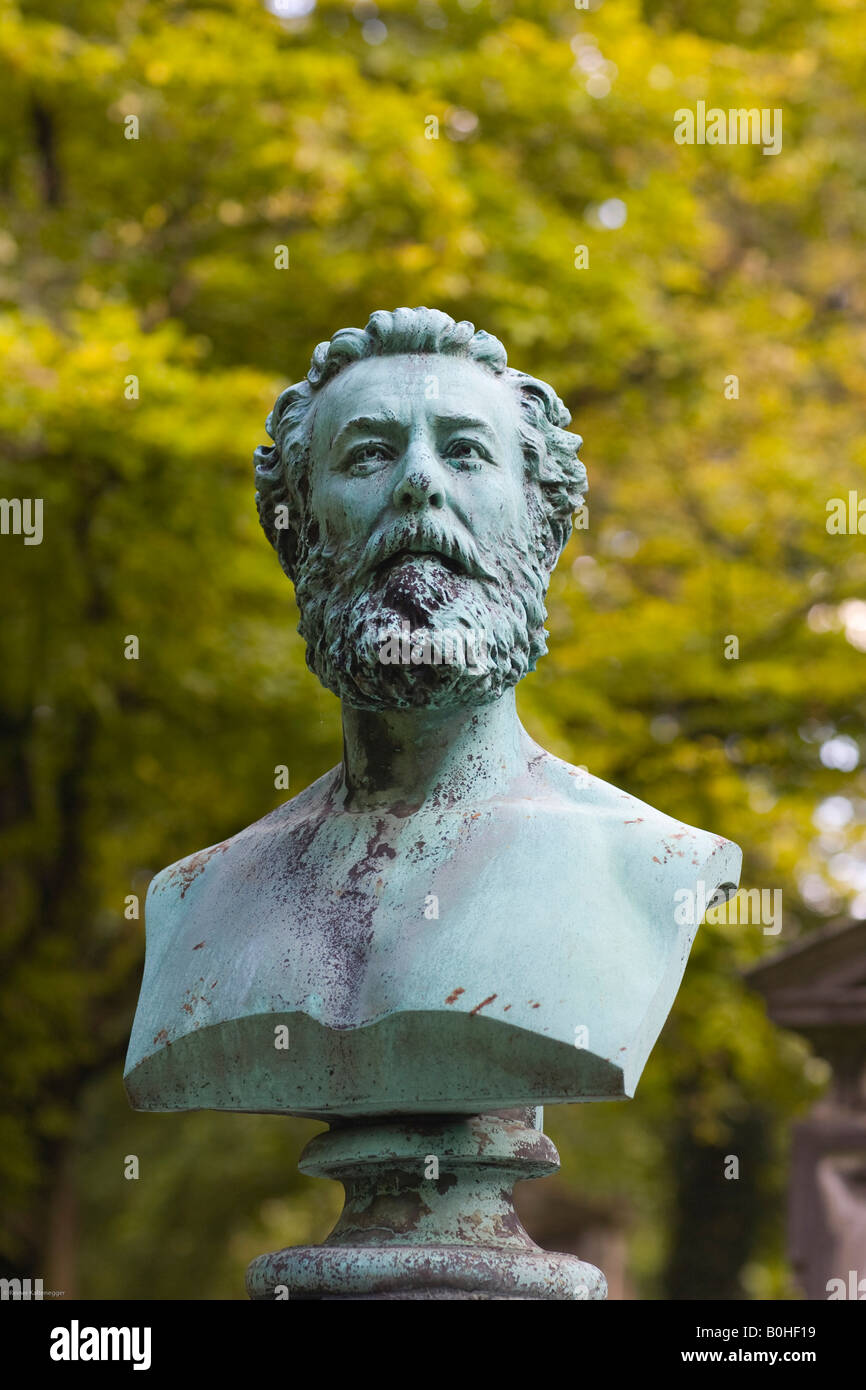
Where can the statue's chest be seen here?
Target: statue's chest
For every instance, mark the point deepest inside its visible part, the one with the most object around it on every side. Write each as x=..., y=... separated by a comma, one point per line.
x=368, y=915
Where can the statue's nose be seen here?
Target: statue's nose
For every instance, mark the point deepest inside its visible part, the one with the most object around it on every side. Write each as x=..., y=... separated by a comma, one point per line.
x=420, y=484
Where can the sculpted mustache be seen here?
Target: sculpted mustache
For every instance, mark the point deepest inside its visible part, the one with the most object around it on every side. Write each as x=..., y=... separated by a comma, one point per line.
x=386, y=544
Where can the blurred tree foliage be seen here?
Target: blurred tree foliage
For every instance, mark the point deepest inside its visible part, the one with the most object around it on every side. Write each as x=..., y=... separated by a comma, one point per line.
x=153, y=258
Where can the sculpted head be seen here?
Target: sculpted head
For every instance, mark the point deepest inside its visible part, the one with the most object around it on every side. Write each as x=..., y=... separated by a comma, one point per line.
x=419, y=484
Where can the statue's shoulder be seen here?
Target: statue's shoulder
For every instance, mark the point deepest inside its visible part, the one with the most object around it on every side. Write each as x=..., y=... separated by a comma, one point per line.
x=641, y=834
x=175, y=887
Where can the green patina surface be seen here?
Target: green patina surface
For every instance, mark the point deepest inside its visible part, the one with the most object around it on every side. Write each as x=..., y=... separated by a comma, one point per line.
x=429, y=1214
x=452, y=920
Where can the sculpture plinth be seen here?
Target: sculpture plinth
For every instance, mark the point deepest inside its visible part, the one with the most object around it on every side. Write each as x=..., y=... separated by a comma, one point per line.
x=428, y=1215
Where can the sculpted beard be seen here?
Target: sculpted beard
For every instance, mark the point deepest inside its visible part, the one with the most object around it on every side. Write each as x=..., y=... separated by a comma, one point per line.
x=348, y=600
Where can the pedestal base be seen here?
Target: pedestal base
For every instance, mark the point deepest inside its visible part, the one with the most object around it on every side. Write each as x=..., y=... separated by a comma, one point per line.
x=429, y=1214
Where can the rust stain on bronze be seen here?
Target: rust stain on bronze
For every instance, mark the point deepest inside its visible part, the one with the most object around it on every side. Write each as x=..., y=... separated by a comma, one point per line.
x=484, y=1002
x=453, y=995
x=190, y=869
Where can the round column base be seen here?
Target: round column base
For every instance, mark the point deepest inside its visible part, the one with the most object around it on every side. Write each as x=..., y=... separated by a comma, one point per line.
x=429, y=1214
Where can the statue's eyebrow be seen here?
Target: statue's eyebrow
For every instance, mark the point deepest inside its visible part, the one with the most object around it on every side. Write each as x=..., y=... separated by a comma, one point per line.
x=466, y=422
x=371, y=423
x=388, y=423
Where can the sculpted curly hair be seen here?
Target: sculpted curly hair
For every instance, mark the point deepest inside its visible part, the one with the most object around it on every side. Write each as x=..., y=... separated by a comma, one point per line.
x=549, y=449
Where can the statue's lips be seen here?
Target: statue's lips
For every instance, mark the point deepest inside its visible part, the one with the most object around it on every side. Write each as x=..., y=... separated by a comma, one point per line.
x=407, y=556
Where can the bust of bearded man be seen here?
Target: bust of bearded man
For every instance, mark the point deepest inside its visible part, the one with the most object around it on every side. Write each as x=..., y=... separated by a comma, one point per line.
x=451, y=920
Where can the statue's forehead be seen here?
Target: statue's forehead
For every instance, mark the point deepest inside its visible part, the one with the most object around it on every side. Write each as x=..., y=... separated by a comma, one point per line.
x=401, y=387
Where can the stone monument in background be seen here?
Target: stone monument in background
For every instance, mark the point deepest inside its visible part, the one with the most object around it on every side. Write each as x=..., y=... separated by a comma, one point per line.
x=452, y=928
x=817, y=987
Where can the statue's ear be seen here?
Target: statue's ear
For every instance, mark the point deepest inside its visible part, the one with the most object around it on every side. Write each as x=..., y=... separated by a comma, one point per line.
x=560, y=536
x=287, y=550
x=556, y=533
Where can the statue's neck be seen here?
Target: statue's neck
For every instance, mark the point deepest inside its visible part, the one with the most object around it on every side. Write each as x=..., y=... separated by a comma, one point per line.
x=404, y=758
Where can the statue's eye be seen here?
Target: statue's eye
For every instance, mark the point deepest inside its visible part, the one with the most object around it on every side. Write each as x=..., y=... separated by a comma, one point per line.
x=468, y=453
x=365, y=457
